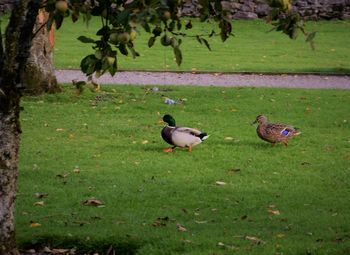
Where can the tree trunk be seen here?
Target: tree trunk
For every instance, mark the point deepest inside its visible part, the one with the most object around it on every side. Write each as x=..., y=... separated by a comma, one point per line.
x=39, y=76
x=9, y=145
x=18, y=37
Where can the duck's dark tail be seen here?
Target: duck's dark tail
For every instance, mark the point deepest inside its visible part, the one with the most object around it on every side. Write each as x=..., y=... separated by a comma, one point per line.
x=203, y=136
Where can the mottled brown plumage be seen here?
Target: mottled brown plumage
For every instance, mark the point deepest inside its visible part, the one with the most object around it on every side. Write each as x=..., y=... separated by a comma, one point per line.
x=274, y=132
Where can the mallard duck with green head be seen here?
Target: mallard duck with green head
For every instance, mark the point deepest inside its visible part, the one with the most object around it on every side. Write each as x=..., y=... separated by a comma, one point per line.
x=274, y=132
x=180, y=136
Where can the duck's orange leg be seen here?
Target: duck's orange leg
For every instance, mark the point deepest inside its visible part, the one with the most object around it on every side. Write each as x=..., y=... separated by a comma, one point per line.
x=168, y=150
x=190, y=148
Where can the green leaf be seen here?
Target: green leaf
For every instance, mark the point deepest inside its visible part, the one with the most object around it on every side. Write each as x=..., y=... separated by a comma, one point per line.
x=146, y=27
x=58, y=20
x=206, y=43
x=172, y=25
x=188, y=25
x=88, y=64
x=85, y=39
x=226, y=29
x=178, y=55
x=151, y=41
x=103, y=31
x=134, y=53
x=123, y=50
x=310, y=37
x=178, y=25
x=157, y=31
x=75, y=16
x=114, y=68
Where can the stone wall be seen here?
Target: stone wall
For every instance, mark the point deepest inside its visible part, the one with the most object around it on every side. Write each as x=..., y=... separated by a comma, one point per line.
x=253, y=9
x=4, y=6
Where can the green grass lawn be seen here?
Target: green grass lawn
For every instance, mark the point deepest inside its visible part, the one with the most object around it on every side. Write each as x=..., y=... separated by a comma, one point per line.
x=277, y=200
x=252, y=49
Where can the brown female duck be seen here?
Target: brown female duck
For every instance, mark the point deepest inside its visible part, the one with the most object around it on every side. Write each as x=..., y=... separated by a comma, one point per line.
x=274, y=132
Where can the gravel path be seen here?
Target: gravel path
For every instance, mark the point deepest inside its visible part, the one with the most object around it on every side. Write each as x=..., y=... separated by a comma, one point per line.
x=214, y=79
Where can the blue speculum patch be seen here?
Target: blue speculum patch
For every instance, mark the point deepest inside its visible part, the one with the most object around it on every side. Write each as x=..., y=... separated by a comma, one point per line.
x=285, y=132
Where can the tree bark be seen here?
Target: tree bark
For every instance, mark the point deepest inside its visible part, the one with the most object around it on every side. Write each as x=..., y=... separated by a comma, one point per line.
x=39, y=76
x=15, y=53
x=9, y=144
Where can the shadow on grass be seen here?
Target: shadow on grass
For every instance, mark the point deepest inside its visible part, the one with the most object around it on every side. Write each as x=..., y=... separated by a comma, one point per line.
x=82, y=245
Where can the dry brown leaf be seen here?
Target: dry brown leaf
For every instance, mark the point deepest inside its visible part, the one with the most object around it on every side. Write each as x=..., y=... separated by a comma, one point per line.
x=255, y=240
x=93, y=202
x=62, y=175
x=221, y=244
x=201, y=221
x=160, y=221
x=61, y=251
x=180, y=227
x=274, y=212
x=34, y=224
x=234, y=170
x=280, y=235
x=41, y=195
x=39, y=203
x=76, y=170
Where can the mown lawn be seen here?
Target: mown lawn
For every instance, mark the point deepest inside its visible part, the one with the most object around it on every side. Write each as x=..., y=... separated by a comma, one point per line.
x=107, y=146
x=252, y=49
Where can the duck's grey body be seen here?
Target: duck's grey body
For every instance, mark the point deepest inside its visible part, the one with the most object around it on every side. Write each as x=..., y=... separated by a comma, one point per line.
x=181, y=136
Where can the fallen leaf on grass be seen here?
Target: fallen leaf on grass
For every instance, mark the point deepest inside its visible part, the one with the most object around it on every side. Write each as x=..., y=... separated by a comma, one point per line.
x=62, y=175
x=93, y=202
x=228, y=138
x=180, y=227
x=220, y=183
x=34, y=224
x=201, y=221
x=59, y=129
x=305, y=163
x=234, y=170
x=59, y=251
x=81, y=222
x=255, y=240
x=280, y=235
x=274, y=212
x=144, y=142
x=41, y=195
x=76, y=170
x=244, y=217
x=160, y=221
x=230, y=247
x=40, y=203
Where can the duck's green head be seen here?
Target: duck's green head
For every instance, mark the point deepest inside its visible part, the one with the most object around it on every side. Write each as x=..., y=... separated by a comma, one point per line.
x=169, y=119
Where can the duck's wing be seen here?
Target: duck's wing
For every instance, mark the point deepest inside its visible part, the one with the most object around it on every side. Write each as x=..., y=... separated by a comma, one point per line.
x=188, y=130
x=185, y=137
x=282, y=129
